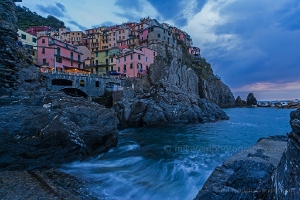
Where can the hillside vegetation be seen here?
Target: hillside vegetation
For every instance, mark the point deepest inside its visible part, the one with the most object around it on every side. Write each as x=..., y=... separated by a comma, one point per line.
x=28, y=19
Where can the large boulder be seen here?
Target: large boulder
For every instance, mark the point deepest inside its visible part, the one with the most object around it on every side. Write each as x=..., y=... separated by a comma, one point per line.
x=239, y=102
x=251, y=100
x=48, y=129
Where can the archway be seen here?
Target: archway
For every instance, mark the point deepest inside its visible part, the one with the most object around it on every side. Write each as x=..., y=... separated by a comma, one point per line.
x=74, y=92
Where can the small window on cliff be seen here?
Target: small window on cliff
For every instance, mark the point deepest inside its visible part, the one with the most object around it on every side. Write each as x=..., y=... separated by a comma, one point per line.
x=97, y=83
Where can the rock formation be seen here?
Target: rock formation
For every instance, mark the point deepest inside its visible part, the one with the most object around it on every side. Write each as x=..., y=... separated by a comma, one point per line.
x=40, y=128
x=285, y=182
x=168, y=95
x=239, y=102
x=251, y=100
x=216, y=92
x=245, y=175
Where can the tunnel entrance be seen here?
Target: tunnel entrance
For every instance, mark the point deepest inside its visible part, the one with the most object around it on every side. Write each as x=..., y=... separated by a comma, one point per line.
x=74, y=92
x=62, y=82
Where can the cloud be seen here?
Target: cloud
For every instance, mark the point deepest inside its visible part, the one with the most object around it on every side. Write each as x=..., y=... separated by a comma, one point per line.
x=247, y=41
x=52, y=10
x=61, y=7
x=83, y=28
x=135, y=10
x=106, y=23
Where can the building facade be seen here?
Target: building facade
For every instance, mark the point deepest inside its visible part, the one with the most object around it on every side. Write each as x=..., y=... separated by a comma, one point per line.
x=58, y=55
x=136, y=62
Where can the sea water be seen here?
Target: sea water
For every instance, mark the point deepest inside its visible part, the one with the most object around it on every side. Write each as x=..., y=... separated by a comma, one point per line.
x=173, y=162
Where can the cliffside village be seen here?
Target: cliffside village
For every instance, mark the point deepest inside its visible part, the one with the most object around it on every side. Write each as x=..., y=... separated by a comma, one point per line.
x=125, y=50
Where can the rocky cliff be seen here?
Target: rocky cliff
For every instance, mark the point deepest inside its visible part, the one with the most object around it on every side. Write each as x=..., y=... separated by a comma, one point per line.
x=168, y=95
x=216, y=91
x=40, y=128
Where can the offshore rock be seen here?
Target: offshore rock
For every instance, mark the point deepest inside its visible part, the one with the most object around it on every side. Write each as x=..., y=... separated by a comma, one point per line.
x=168, y=95
x=251, y=100
x=239, y=102
x=216, y=92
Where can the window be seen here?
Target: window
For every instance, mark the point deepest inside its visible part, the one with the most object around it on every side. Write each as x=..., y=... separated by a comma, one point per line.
x=71, y=54
x=43, y=40
x=106, y=61
x=130, y=56
x=34, y=40
x=78, y=66
x=131, y=66
x=111, y=60
x=23, y=36
x=124, y=67
x=44, y=61
x=96, y=54
x=97, y=83
x=72, y=64
x=124, y=58
x=123, y=37
x=96, y=70
x=82, y=83
x=118, y=60
x=58, y=51
x=118, y=69
x=119, y=32
x=106, y=68
x=58, y=59
x=139, y=57
x=146, y=59
x=111, y=68
x=123, y=31
x=78, y=57
x=43, y=50
x=106, y=53
x=147, y=67
x=96, y=62
x=158, y=35
x=153, y=53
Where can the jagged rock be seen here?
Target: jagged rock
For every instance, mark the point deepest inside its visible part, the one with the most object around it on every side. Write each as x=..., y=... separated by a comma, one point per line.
x=239, y=102
x=216, y=92
x=285, y=182
x=53, y=128
x=247, y=174
x=251, y=100
x=172, y=98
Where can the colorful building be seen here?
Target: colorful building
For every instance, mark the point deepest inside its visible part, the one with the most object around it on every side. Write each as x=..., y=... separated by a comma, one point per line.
x=30, y=43
x=58, y=55
x=136, y=62
x=35, y=29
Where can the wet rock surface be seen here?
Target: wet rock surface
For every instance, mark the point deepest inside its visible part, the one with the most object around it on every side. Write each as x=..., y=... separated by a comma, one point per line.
x=168, y=95
x=247, y=174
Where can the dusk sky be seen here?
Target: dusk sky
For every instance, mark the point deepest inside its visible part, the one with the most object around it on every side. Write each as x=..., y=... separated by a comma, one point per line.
x=253, y=45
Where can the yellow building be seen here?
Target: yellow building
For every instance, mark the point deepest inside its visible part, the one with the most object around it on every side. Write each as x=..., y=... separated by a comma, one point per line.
x=30, y=43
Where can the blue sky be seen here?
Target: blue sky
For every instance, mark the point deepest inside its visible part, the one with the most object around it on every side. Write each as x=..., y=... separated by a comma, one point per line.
x=253, y=45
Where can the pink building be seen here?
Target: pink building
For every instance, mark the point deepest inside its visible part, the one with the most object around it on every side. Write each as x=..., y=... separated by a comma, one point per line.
x=134, y=63
x=143, y=36
x=35, y=29
x=58, y=54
